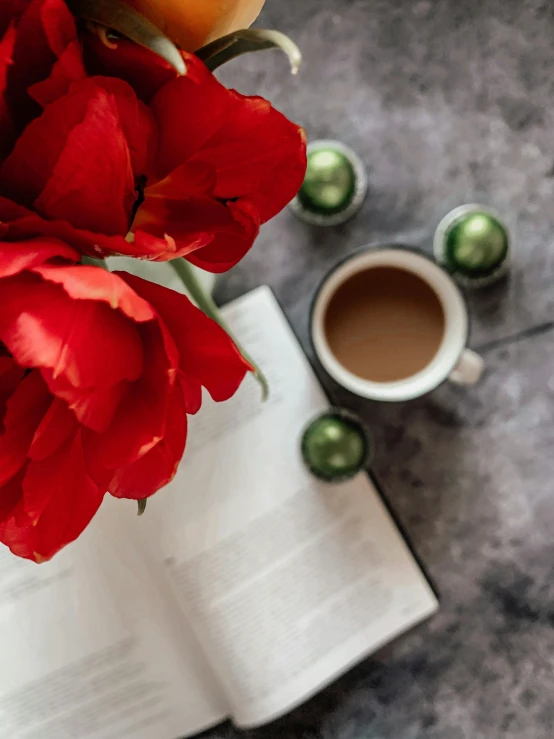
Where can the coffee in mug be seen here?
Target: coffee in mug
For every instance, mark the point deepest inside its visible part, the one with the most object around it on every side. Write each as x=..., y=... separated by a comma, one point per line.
x=390, y=324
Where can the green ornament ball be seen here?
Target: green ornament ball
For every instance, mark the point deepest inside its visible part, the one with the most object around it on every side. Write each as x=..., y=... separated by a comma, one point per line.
x=330, y=182
x=335, y=447
x=476, y=244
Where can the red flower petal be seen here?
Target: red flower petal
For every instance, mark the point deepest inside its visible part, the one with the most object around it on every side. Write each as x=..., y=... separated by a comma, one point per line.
x=10, y=377
x=74, y=162
x=258, y=154
x=7, y=44
x=207, y=232
x=56, y=427
x=24, y=412
x=85, y=341
x=44, y=32
x=189, y=110
x=183, y=182
x=253, y=150
x=20, y=256
x=136, y=120
x=10, y=496
x=67, y=70
x=18, y=222
x=50, y=505
x=11, y=10
x=91, y=283
x=60, y=500
x=28, y=169
x=208, y=357
x=16, y=530
x=93, y=407
x=139, y=422
x=6, y=124
x=226, y=250
x=145, y=71
x=154, y=248
x=92, y=179
x=157, y=468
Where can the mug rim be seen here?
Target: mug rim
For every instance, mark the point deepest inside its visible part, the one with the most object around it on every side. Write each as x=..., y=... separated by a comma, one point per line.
x=401, y=395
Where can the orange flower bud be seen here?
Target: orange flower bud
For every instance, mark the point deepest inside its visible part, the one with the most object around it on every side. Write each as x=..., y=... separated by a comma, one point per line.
x=193, y=23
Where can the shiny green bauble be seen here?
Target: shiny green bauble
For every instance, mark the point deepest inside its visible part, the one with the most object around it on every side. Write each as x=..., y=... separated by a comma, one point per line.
x=335, y=447
x=476, y=244
x=330, y=183
x=335, y=185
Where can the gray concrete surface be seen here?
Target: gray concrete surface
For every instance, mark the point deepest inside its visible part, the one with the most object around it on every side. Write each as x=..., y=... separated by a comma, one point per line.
x=441, y=100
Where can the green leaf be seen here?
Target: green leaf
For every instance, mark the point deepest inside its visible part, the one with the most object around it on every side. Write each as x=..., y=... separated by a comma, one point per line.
x=229, y=47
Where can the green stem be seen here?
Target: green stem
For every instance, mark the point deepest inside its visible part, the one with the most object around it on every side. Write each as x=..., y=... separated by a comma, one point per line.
x=207, y=305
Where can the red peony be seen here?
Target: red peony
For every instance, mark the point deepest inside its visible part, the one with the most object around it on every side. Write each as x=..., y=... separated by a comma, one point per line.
x=98, y=372
x=149, y=165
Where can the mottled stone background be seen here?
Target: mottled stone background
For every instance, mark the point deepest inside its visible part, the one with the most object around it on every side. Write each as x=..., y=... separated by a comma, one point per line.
x=441, y=100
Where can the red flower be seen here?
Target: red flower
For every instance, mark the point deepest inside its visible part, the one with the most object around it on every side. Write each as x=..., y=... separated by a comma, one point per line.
x=186, y=166
x=98, y=372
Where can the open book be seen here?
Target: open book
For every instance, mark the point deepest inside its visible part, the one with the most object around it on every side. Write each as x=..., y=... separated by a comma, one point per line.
x=244, y=589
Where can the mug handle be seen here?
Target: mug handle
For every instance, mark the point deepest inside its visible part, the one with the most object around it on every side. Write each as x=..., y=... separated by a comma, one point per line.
x=469, y=369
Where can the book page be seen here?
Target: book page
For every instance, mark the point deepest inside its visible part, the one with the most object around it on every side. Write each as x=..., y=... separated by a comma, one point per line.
x=287, y=582
x=90, y=650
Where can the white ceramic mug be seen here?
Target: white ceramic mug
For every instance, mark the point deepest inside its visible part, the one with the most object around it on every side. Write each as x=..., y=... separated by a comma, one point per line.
x=452, y=361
